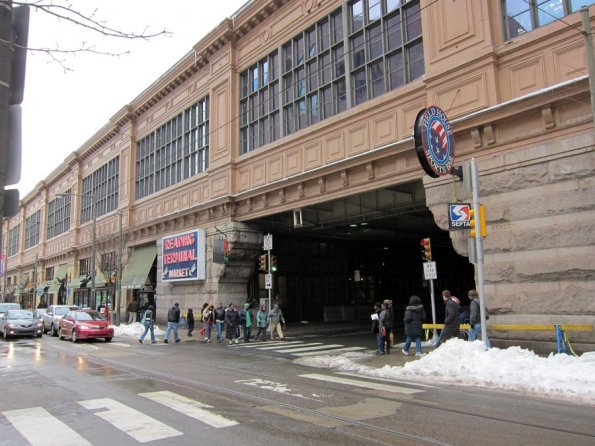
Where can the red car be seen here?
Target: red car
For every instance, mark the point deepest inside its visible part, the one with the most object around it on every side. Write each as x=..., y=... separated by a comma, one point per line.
x=85, y=324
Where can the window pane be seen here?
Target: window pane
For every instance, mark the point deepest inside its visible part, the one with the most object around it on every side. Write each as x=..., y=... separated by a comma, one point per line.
x=300, y=79
x=339, y=62
x=314, y=112
x=340, y=96
x=359, y=87
x=520, y=24
x=254, y=77
x=376, y=75
x=265, y=72
x=374, y=42
x=358, y=50
x=392, y=4
x=548, y=11
x=288, y=88
x=325, y=68
x=324, y=35
x=311, y=35
x=312, y=76
x=357, y=15
x=413, y=21
x=416, y=61
x=395, y=69
x=393, y=32
x=337, y=28
x=298, y=45
x=374, y=9
x=287, y=57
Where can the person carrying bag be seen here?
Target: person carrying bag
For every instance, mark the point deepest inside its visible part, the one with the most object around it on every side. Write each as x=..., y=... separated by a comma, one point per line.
x=148, y=320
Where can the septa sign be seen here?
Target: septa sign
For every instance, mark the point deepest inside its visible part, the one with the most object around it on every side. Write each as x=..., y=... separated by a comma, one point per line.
x=434, y=141
x=459, y=216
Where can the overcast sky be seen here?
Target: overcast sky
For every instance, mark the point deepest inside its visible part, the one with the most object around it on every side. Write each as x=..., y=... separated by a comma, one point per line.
x=62, y=110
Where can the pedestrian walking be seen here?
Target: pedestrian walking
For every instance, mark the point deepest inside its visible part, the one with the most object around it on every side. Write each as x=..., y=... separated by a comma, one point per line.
x=132, y=310
x=148, y=320
x=173, y=319
x=262, y=323
x=219, y=316
x=475, y=316
x=276, y=319
x=375, y=316
x=207, y=317
x=190, y=320
x=247, y=321
x=391, y=334
x=452, y=324
x=232, y=324
x=385, y=323
x=414, y=317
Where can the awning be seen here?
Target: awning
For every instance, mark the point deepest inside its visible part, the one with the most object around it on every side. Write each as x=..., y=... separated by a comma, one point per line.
x=79, y=281
x=60, y=275
x=138, y=268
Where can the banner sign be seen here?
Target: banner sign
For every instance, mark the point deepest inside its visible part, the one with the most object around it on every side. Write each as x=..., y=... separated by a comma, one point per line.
x=459, y=216
x=183, y=256
x=2, y=264
x=434, y=141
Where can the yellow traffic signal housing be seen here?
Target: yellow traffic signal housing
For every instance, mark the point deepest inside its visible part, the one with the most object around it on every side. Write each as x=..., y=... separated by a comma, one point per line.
x=426, y=250
x=262, y=263
x=483, y=230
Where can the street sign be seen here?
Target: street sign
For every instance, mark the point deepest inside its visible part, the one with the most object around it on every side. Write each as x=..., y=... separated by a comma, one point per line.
x=268, y=281
x=430, y=272
x=459, y=216
x=268, y=242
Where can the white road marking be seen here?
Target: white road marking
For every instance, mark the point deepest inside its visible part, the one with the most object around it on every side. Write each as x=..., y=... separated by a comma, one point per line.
x=41, y=428
x=305, y=349
x=364, y=384
x=326, y=352
x=192, y=408
x=139, y=426
x=285, y=345
x=272, y=346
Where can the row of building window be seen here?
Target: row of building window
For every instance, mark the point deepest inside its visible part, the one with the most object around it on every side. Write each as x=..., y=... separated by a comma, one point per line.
x=350, y=56
x=176, y=151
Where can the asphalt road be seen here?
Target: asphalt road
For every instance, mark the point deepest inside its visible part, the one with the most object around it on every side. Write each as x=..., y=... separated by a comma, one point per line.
x=56, y=392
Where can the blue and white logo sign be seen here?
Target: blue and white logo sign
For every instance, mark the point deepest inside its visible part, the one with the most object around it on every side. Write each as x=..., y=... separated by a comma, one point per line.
x=459, y=216
x=434, y=142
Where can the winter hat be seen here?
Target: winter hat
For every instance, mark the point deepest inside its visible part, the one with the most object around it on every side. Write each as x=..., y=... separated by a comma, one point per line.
x=414, y=300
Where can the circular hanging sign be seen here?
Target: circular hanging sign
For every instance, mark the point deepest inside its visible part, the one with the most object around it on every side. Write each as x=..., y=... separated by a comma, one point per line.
x=434, y=142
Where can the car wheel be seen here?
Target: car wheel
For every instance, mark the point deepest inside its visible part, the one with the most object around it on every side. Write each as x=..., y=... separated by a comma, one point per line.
x=39, y=335
x=108, y=339
x=60, y=334
x=73, y=336
x=43, y=330
x=54, y=330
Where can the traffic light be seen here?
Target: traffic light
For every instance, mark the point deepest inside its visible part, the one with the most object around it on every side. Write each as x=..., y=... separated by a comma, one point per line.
x=426, y=250
x=483, y=230
x=274, y=264
x=262, y=263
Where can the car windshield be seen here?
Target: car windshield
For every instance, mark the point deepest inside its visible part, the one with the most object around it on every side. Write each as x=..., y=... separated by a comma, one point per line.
x=61, y=311
x=5, y=307
x=88, y=316
x=20, y=314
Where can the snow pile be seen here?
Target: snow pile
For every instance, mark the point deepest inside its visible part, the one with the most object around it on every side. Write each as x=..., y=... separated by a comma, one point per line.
x=134, y=330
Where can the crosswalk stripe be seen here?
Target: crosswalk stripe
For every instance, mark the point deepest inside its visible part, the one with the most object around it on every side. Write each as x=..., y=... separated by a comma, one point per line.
x=264, y=344
x=335, y=350
x=285, y=344
x=139, y=426
x=358, y=383
x=187, y=406
x=41, y=428
x=305, y=349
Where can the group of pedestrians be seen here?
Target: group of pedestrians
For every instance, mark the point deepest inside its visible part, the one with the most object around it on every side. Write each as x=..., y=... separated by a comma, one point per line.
x=414, y=316
x=237, y=324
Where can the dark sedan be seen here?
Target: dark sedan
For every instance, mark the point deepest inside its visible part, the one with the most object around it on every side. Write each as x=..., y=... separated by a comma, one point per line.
x=85, y=324
x=20, y=323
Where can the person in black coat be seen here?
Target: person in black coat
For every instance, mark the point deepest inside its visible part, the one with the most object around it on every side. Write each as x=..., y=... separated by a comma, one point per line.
x=452, y=323
x=414, y=317
x=232, y=324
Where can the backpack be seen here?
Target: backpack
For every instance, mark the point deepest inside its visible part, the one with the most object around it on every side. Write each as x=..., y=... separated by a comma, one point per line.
x=147, y=318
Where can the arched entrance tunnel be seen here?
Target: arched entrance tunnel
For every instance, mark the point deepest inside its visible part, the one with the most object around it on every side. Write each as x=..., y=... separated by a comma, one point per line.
x=336, y=259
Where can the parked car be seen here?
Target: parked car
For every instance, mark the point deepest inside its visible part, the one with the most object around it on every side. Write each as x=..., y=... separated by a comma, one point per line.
x=85, y=324
x=39, y=313
x=20, y=323
x=8, y=306
x=51, y=319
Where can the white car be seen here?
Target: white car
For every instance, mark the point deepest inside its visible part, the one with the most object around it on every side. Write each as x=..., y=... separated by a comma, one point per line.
x=51, y=319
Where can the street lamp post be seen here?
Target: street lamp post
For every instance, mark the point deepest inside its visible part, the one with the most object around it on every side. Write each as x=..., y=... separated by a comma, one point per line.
x=94, y=246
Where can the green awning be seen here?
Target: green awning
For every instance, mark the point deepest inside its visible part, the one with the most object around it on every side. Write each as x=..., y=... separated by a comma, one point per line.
x=138, y=267
x=60, y=275
x=76, y=283
x=99, y=280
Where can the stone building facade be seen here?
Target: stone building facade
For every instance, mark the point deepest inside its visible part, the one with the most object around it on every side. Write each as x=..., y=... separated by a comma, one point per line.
x=517, y=97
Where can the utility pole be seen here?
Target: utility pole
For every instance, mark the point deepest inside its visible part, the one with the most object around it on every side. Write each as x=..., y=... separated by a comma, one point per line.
x=119, y=275
x=5, y=67
x=590, y=56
